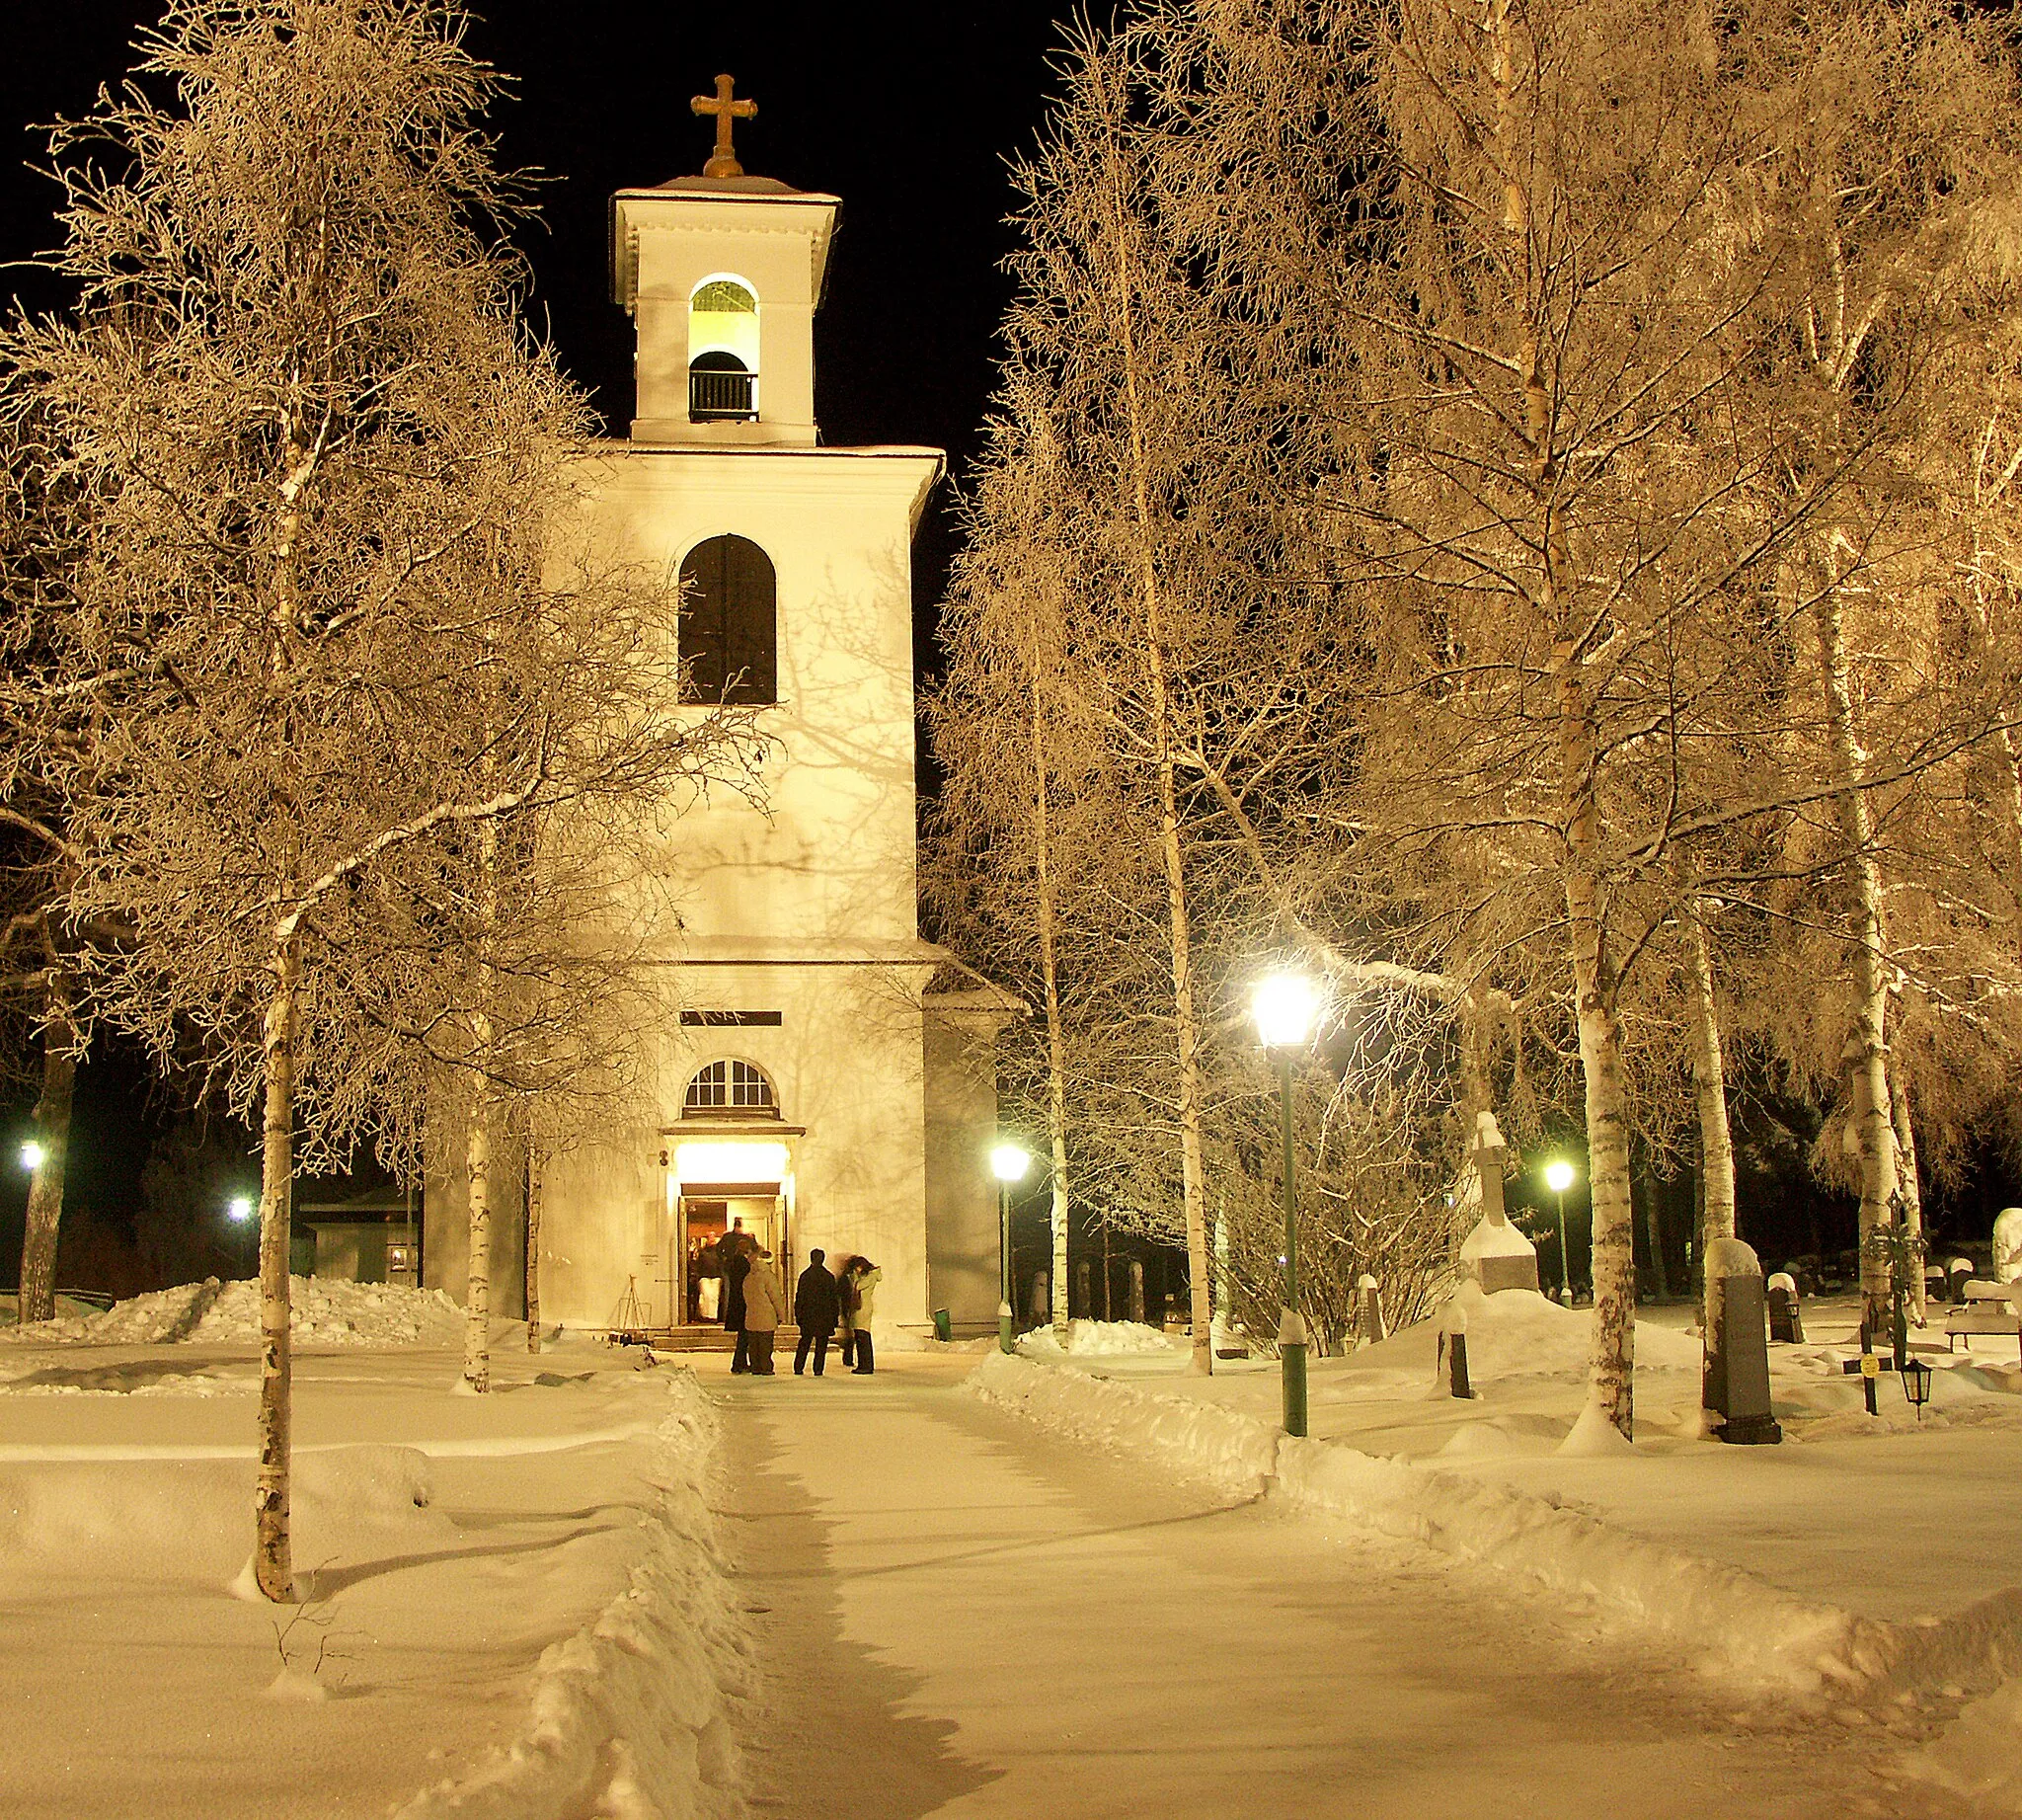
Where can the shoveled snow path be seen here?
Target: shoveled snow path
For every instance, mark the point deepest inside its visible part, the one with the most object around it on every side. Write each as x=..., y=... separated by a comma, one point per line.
x=955, y=1614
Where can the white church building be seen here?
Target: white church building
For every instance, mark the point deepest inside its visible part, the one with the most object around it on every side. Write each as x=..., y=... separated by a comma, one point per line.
x=822, y=1075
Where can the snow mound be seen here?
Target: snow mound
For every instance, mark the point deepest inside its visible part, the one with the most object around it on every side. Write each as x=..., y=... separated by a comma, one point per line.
x=1097, y=1338
x=1594, y=1437
x=323, y=1311
x=629, y=1716
x=193, y=1518
x=1510, y=1334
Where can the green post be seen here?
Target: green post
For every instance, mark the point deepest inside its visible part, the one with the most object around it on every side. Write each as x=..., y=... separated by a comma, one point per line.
x=1292, y=1325
x=1004, y=1340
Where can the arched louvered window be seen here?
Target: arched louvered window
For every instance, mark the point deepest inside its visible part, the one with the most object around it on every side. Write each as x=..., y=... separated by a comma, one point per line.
x=729, y=619
x=731, y=1087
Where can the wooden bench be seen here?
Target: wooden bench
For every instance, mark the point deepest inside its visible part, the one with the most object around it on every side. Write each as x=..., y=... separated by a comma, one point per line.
x=1988, y=1307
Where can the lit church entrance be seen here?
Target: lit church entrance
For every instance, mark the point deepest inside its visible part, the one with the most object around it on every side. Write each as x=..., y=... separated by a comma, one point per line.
x=730, y=1168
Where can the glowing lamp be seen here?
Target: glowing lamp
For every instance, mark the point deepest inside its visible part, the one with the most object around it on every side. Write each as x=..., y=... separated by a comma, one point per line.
x=1558, y=1176
x=1008, y=1163
x=1283, y=1007
x=239, y=1209
x=33, y=1156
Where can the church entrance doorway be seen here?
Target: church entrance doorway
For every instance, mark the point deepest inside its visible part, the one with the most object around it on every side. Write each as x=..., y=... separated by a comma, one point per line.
x=704, y=1211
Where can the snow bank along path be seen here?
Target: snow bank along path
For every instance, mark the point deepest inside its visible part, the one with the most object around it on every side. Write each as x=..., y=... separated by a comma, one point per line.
x=1731, y=1624
x=323, y=1311
x=629, y=1717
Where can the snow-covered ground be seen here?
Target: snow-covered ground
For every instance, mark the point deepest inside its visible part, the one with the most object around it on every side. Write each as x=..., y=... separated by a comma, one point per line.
x=1075, y=1583
x=513, y=1605
x=1870, y=1562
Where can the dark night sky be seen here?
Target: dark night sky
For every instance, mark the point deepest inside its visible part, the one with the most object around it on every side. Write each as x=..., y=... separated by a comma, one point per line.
x=905, y=110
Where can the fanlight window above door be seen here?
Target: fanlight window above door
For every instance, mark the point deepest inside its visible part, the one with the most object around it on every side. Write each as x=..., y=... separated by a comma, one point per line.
x=731, y=1089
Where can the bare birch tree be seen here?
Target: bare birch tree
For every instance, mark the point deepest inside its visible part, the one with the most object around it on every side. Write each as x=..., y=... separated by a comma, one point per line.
x=296, y=393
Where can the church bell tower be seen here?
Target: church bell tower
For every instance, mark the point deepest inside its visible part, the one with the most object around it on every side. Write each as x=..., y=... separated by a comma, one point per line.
x=722, y=274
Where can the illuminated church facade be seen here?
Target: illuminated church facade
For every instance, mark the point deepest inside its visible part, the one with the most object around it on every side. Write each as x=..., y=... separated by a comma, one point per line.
x=822, y=1075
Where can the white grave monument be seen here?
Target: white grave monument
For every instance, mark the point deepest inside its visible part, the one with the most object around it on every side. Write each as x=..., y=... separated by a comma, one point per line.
x=1495, y=1254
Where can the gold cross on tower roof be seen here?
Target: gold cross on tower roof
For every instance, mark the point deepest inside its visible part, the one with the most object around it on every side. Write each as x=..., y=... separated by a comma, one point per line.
x=725, y=162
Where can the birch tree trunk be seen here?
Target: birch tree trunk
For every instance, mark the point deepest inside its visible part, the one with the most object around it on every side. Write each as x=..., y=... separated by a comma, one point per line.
x=1906, y=1183
x=536, y=1165
x=1868, y=1053
x=1057, y=1045
x=1709, y=1083
x=1186, y=1027
x=477, y=1306
x=1612, y=1374
x=38, y=1300
x=273, y=1561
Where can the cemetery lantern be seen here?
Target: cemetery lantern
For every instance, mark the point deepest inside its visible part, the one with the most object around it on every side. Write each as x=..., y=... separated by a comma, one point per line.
x=1917, y=1382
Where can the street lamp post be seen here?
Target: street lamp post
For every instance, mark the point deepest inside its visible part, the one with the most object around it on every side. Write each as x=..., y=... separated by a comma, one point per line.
x=1282, y=1008
x=1008, y=1163
x=239, y=1209
x=1558, y=1177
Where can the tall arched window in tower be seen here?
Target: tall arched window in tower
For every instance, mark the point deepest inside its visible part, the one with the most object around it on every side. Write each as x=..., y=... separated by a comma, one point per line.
x=723, y=351
x=729, y=632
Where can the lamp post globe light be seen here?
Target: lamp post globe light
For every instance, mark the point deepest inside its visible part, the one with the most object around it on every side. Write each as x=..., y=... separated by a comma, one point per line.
x=239, y=1210
x=1558, y=1177
x=1008, y=1163
x=1283, y=1007
x=33, y=1156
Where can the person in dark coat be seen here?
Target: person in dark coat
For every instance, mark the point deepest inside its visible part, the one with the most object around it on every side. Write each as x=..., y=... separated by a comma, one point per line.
x=815, y=1312
x=737, y=1267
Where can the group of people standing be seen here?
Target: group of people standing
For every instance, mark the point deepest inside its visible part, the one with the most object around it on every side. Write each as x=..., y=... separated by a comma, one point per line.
x=755, y=1304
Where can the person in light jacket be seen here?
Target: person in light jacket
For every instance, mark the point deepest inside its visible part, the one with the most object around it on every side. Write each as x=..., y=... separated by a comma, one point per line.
x=864, y=1276
x=737, y=1266
x=846, y=1307
x=764, y=1308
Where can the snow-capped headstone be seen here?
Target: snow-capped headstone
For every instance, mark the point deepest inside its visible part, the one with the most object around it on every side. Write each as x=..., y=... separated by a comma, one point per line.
x=1370, y=1295
x=1786, y=1315
x=1495, y=1254
x=1736, y=1381
x=2009, y=1245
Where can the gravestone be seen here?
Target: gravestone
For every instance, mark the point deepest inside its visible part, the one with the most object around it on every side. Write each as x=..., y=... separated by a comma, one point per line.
x=2009, y=1245
x=1371, y=1296
x=1737, y=1380
x=1453, y=1361
x=1786, y=1313
x=1495, y=1254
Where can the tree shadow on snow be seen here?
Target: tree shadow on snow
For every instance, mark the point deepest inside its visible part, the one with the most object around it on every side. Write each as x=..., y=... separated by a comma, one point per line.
x=328, y=1582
